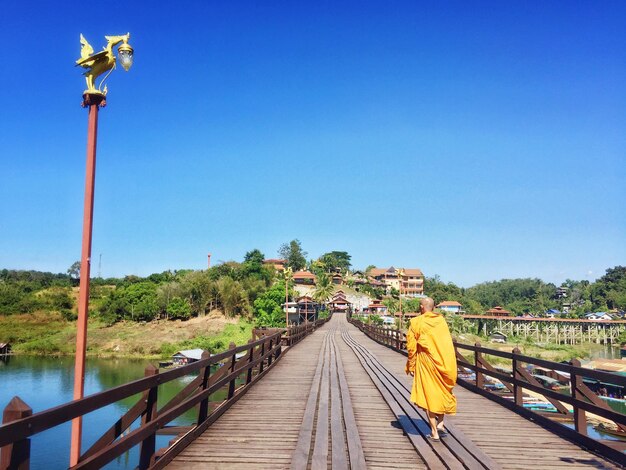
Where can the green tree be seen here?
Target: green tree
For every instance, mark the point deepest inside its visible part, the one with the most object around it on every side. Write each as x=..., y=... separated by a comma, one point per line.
x=268, y=309
x=254, y=259
x=336, y=261
x=141, y=299
x=293, y=253
x=178, y=308
x=232, y=297
x=74, y=272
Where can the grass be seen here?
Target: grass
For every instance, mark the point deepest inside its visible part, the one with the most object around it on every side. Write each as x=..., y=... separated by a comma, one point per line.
x=44, y=333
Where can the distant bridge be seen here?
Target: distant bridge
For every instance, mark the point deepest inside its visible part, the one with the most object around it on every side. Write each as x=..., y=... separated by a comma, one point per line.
x=334, y=395
x=551, y=330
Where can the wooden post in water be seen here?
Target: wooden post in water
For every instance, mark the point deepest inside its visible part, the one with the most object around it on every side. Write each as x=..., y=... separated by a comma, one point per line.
x=16, y=455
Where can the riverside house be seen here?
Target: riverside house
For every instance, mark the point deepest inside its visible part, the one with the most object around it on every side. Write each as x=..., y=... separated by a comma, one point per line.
x=498, y=312
x=450, y=306
x=187, y=356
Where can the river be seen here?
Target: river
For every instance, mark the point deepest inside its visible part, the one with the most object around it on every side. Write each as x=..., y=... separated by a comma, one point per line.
x=47, y=382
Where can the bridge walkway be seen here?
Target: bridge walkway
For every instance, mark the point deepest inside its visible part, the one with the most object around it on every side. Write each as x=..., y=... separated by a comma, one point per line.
x=341, y=377
x=510, y=440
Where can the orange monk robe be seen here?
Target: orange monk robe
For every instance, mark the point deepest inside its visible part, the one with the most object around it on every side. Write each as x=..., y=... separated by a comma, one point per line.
x=432, y=358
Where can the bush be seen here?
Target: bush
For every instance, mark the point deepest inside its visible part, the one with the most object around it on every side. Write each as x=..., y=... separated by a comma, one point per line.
x=41, y=346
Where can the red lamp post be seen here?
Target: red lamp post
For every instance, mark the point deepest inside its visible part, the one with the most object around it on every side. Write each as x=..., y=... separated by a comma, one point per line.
x=96, y=64
x=93, y=101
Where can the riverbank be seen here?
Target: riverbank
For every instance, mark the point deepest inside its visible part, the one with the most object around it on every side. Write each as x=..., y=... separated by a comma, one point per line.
x=50, y=334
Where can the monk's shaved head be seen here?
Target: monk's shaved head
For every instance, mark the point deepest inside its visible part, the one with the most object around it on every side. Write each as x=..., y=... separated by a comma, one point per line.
x=428, y=304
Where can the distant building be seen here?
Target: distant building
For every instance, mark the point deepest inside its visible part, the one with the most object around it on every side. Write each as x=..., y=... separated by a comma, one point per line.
x=304, y=278
x=450, y=306
x=598, y=316
x=376, y=308
x=5, y=349
x=408, y=281
x=498, y=312
x=339, y=303
x=307, y=309
x=337, y=279
x=187, y=356
x=278, y=264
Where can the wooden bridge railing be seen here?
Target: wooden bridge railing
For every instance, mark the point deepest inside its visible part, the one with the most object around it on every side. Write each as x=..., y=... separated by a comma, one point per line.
x=239, y=368
x=581, y=399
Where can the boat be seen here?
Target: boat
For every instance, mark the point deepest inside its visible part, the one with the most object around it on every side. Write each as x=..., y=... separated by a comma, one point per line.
x=615, y=432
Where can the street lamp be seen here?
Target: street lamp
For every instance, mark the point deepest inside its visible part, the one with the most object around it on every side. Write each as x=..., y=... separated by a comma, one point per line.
x=288, y=274
x=93, y=98
x=401, y=276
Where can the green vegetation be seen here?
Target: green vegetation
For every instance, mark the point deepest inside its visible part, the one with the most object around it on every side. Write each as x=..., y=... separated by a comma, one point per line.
x=535, y=296
x=38, y=309
x=293, y=253
x=238, y=333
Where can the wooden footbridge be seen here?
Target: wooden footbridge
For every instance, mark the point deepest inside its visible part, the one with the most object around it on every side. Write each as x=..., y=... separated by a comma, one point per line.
x=334, y=395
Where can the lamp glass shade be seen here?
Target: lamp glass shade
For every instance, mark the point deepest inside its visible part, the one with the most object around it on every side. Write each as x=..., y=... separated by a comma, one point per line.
x=126, y=57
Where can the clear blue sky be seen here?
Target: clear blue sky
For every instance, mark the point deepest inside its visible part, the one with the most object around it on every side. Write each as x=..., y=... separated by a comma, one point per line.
x=474, y=140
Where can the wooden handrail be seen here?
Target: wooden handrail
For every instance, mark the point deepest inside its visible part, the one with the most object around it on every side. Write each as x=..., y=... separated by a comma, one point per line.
x=582, y=400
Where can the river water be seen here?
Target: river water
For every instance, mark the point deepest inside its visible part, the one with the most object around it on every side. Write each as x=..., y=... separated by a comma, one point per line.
x=47, y=382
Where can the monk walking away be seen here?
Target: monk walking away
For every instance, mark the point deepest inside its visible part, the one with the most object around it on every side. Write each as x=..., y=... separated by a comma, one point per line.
x=432, y=363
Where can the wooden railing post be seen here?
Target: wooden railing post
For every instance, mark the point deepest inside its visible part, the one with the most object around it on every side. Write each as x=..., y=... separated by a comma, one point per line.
x=262, y=361
x=269, y=358
x=478, y=362
x=16, y=455
x=250, y=360
x=231, y=368
x=580, y=417
x=203, y=410
x=279, y=350
x=148, y=446
x=517, y=377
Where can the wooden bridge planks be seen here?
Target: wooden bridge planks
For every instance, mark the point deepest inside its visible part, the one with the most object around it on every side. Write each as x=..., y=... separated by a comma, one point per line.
x=384, y=444
x=335, y=442
x=509, y=439
x=261, y=430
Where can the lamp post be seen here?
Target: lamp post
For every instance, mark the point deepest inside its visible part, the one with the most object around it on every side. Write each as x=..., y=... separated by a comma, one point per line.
x=288, y=272
x=93, y=98
x=401, y=276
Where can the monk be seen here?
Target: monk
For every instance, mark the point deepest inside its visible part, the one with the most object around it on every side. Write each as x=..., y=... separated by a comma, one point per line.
x=432, y=364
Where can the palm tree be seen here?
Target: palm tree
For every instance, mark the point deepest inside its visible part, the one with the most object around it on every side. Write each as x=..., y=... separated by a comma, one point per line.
x=323, y=288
